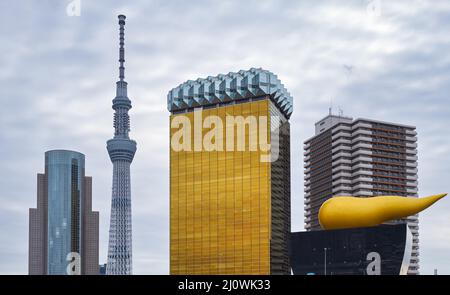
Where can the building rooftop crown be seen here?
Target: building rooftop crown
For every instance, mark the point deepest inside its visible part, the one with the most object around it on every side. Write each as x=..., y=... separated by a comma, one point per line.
x=230, y=87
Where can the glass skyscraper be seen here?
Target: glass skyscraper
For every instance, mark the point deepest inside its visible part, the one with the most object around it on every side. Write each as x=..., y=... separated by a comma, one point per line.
x=65, y=184
x=230, y=205
x=63, y=224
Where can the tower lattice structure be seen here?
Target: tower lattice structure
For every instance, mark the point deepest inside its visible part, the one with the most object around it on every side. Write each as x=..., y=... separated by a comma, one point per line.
x=121, y=150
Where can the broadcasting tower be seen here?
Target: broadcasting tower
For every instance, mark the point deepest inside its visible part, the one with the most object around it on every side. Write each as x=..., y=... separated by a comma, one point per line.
x=121, y=151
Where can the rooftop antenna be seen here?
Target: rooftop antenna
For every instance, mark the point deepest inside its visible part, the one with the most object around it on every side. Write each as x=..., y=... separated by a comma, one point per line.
x=121, y=47
x=330, y=109
x=341, y=112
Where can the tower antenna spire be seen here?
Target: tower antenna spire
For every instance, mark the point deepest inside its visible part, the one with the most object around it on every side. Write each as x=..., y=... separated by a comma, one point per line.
x=121, y=150
x=330, y=109
x=121, y=46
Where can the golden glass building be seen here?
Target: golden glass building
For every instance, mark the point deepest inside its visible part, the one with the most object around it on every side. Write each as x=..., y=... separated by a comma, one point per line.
x=230, y=192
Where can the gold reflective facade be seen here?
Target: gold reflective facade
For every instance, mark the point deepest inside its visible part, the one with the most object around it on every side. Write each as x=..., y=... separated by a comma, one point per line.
x=221, y=204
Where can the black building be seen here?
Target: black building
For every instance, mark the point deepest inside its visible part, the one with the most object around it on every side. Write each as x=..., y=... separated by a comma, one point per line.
x=383, y=250
x=102, y=269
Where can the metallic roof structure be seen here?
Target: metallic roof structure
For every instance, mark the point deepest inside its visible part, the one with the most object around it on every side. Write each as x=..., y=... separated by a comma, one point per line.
x=228, y=88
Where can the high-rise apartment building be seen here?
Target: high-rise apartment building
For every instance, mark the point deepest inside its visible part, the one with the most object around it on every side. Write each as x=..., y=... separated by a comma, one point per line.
x=229, y=193
x=361, y=158
x=63, y=227
x=121, y=150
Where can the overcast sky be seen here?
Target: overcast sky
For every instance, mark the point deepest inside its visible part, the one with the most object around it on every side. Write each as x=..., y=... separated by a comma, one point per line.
x=384, y=60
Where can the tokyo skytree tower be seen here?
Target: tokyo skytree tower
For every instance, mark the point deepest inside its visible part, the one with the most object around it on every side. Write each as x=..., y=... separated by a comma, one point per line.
x=121, y=151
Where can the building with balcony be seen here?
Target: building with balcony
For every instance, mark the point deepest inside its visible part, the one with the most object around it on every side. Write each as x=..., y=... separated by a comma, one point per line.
x=362, y=158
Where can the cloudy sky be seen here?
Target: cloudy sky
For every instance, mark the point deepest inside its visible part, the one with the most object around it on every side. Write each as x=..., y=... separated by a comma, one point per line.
x=385, y=60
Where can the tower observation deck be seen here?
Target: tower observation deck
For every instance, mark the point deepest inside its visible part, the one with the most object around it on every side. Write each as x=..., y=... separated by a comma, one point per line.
x=121, y=150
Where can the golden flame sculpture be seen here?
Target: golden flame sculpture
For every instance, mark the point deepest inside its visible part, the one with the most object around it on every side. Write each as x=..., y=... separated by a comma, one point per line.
x=351, y=212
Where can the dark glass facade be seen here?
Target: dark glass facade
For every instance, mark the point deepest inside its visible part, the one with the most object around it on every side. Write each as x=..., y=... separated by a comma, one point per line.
x=352, y=251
